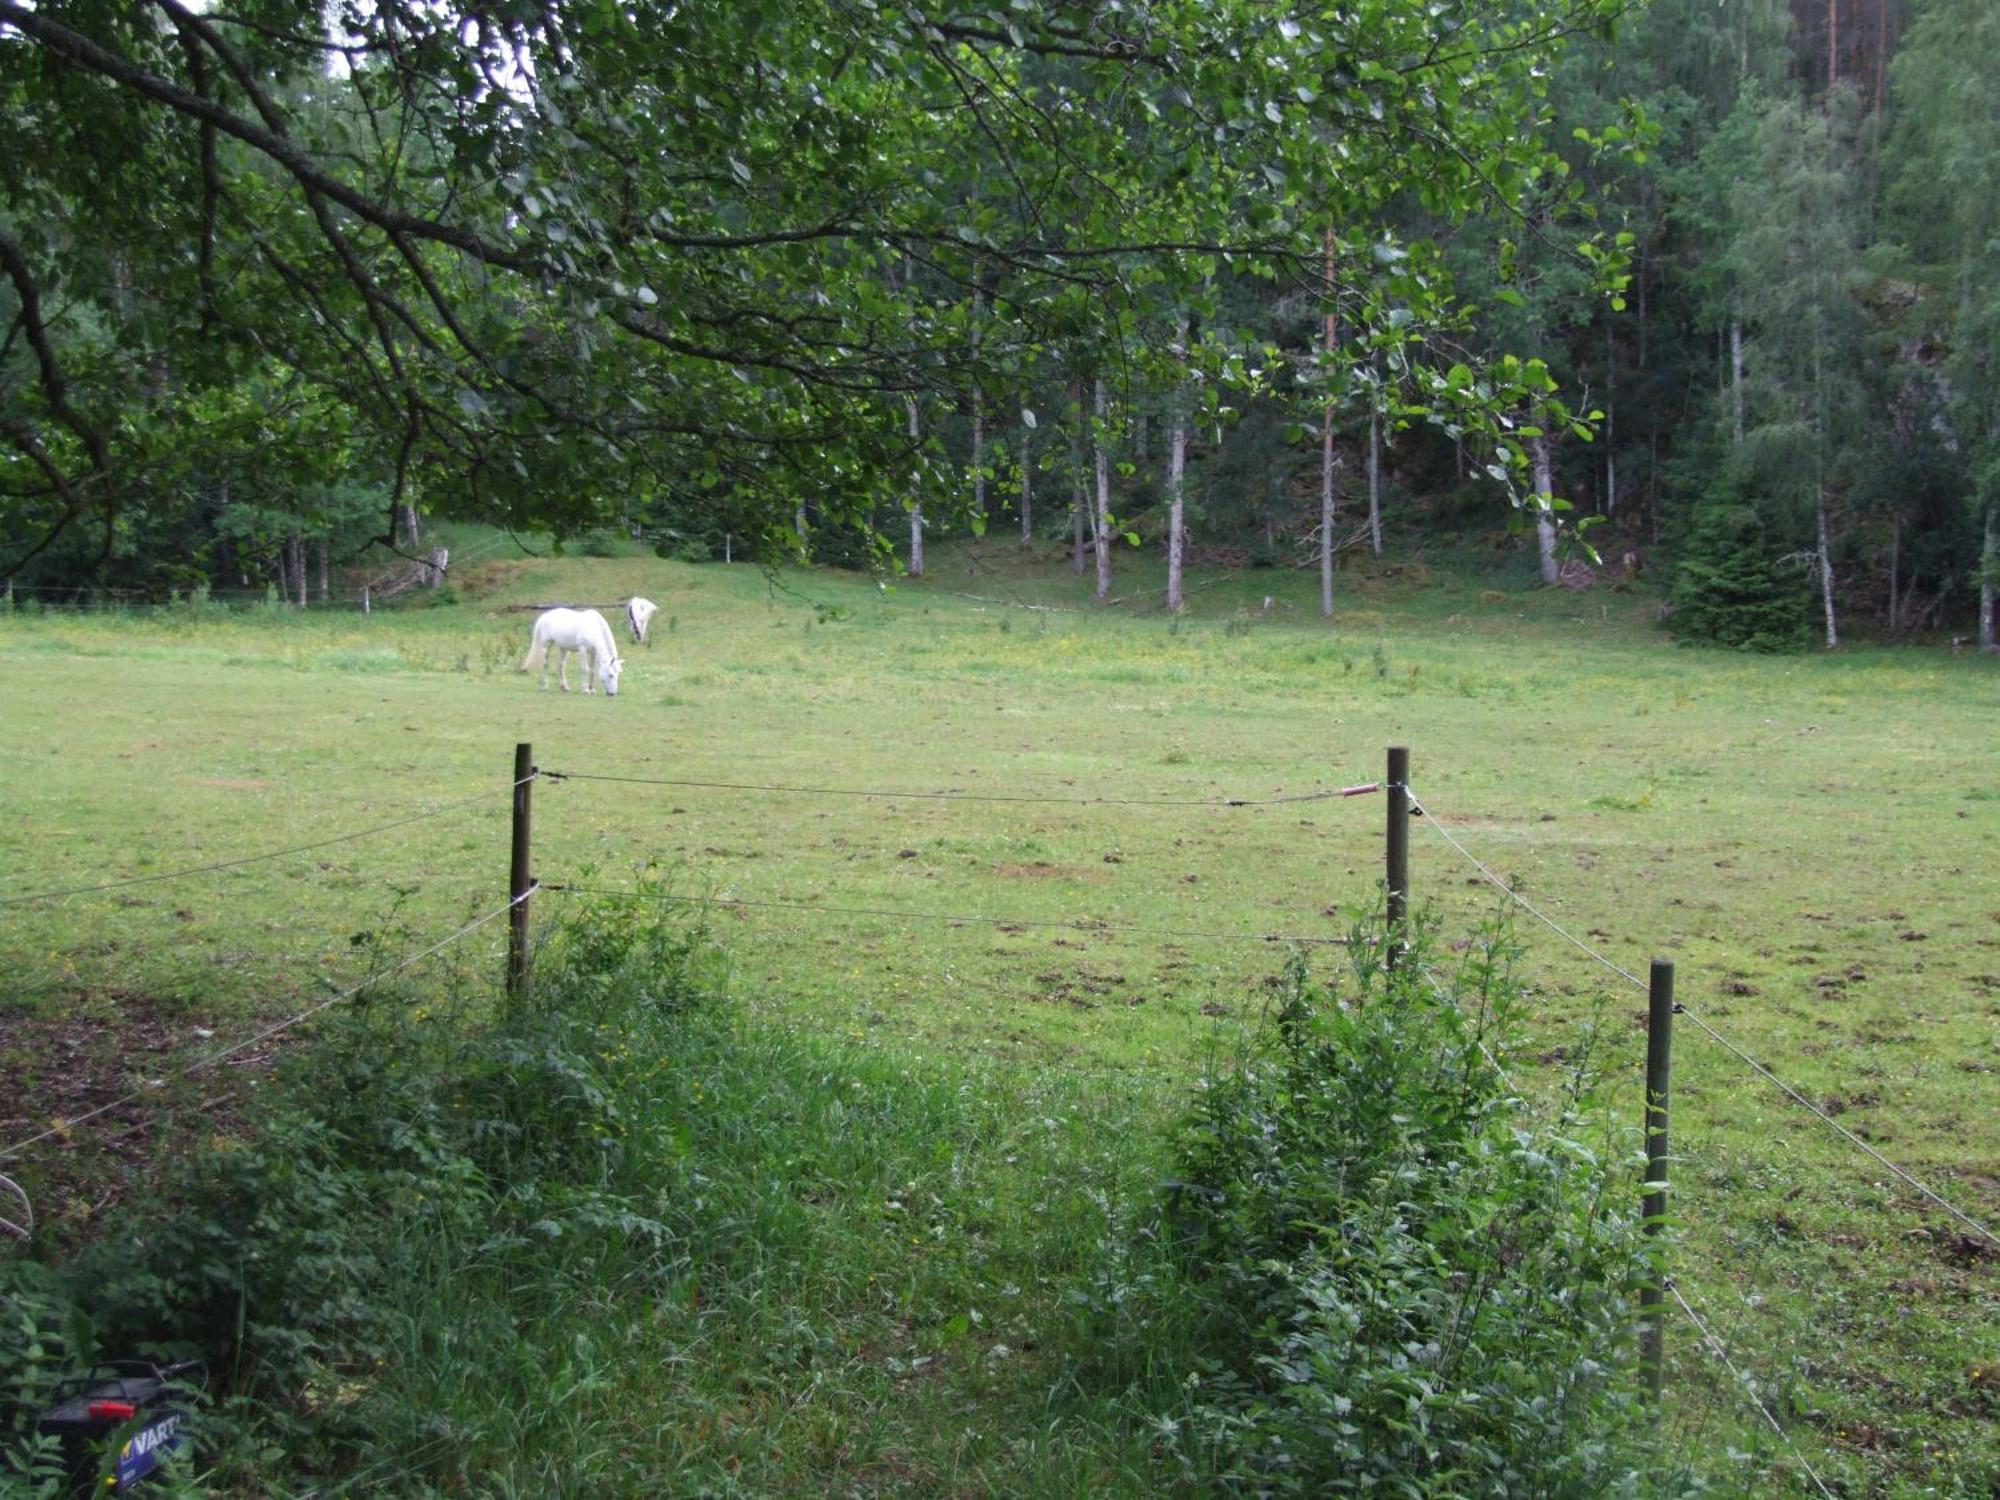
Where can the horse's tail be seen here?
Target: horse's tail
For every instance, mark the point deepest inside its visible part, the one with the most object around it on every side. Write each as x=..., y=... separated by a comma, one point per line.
x=639, y=612
x=536, y=652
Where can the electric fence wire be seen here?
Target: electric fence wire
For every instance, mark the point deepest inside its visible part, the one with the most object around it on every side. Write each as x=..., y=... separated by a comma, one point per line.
x=1851, y=1138
x=1681, y=1009
x=26, y=1228
x=63, y=1127
x=1714, y=1347
x=253, y=859
x=833, y=791
x=1074, y=925
x=1515, y=896
x=1431, y=977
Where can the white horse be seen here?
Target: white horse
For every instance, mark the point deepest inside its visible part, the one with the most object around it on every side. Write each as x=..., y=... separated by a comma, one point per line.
x=639, y=614
x=579, y=630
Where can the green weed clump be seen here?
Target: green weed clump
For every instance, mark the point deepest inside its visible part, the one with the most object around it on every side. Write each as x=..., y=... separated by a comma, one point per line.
x=403, y=1150
x=1390, y=1275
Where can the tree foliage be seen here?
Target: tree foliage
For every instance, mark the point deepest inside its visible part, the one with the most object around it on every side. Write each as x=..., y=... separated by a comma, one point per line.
x=546, y=258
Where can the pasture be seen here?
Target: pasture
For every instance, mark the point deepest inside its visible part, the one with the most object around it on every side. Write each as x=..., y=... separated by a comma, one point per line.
x=1813, y=840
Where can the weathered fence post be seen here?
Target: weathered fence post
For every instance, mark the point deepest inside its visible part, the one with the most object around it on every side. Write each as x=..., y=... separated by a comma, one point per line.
x=519, y=881
x=1659, y=1073
x=1397, y=788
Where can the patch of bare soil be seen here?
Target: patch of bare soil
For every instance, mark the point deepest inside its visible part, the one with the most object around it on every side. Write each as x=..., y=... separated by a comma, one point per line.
x=1043, y=870
x=1082, y=989
x=57, y=1068
x=485, y=578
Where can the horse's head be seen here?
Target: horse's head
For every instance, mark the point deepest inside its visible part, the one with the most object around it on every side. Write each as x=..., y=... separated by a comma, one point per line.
x=608, y=675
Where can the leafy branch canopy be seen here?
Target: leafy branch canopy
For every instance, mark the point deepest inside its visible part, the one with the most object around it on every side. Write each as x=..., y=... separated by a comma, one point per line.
x=543, y=254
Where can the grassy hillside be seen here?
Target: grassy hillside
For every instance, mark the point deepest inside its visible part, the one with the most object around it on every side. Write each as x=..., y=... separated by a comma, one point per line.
x=1811, y=839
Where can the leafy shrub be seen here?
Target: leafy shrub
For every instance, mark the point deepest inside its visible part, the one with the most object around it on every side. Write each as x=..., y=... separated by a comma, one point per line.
x=44, y=1336
x=627, y=955
x=1391, y=1277
x=401, y=1146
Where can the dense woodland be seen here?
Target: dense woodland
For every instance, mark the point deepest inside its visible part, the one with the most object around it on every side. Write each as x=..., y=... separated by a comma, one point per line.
x=1708, y=289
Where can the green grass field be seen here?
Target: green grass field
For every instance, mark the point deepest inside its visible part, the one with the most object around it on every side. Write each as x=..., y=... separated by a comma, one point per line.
x=1812, y=840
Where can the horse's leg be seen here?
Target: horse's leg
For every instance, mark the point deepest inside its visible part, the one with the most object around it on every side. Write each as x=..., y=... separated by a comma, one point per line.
x=562, y=667
x=588, y=659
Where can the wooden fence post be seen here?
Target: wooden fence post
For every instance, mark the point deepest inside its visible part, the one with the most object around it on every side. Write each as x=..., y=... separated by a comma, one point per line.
x=1397, y=788
x=519, y=879
x=1659, y=1077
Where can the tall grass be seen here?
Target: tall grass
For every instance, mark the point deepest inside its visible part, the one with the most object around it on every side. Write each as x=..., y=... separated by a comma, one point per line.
x=614, y=1241
x=617, y=1240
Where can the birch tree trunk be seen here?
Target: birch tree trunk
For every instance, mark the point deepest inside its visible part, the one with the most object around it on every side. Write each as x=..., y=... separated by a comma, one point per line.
x=1826, y=572
x=325, y=574
x=1989, y=577
x=1545, y=523
x=978, y=419
x=1101, y=519
x=1326, y=516
x=1177, y=514
x=916, y=497
x=1176, y=485
x=1881, y=53
x=1895, y=563
x=1027, y=481
x=1330, y=338
x=1076, y=481
x=978, y=453
x=1736, y=368
x=1610, y=423
x=1375, y=482
x=1639, y=277
x=410, y=535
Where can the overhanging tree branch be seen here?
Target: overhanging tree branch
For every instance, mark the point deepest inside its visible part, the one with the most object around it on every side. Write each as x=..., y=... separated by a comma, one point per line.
x=85, y=53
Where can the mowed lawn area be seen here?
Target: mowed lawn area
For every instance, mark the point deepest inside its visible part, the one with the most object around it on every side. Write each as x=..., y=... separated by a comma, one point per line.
x=1813, y=840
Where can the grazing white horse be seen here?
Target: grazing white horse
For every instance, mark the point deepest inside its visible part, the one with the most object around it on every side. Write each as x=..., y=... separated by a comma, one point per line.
x=639, y=614
x=579, y=630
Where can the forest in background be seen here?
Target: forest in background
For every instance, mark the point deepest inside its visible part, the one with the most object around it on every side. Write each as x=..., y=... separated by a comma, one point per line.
x=1708, y=288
